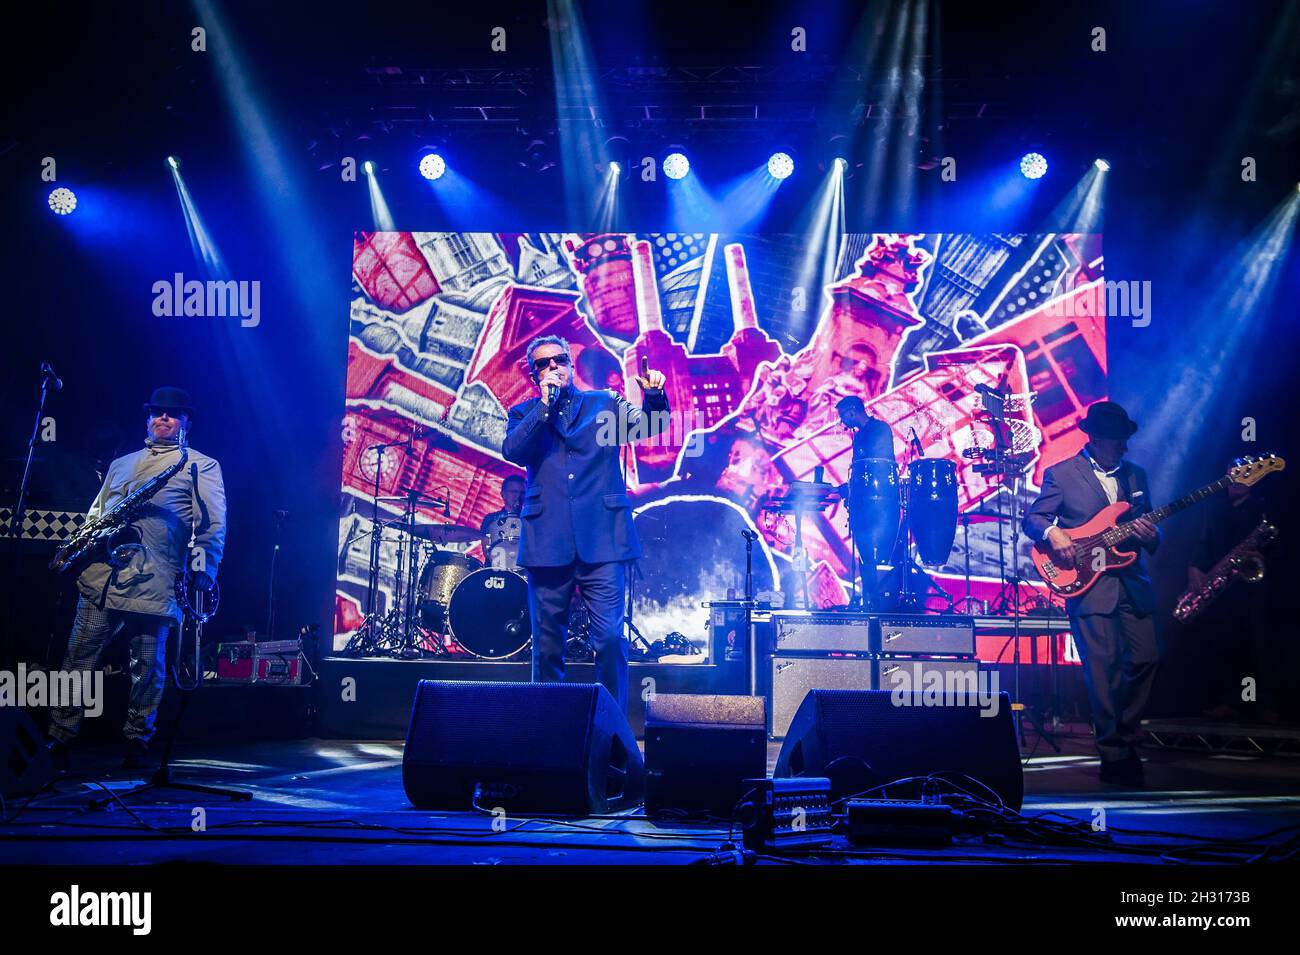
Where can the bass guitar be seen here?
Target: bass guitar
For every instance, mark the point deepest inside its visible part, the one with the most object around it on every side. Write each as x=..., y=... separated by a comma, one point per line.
x=1097, y=543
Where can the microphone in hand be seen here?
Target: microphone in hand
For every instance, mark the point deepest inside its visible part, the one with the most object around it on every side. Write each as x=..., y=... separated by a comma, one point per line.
x=550, y=385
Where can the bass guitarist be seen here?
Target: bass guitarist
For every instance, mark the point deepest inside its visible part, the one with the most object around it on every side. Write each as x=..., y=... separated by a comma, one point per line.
x=1113, y=622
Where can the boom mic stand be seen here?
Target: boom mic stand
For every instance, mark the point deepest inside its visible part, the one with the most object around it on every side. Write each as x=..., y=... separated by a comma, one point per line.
x=1003, y=462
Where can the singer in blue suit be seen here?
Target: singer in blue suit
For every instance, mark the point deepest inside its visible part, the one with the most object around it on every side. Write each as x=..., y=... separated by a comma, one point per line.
x=576, y=515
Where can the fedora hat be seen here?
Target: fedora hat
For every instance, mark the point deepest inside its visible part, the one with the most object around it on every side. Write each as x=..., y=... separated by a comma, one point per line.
x=1106, y=419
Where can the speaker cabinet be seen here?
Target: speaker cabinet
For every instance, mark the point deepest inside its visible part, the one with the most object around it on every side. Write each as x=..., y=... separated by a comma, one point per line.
x=562, y=748
x=699, y=748
x=25, y=763
x=863, y=738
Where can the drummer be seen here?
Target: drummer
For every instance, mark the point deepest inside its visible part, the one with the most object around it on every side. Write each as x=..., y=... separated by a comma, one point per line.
x=500, y=529
x=872, y=439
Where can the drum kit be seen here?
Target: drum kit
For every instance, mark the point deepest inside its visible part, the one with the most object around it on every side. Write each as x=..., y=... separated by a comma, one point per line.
x=445, y=602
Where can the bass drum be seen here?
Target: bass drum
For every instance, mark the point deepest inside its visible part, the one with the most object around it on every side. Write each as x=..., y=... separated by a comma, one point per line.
x=489, y=614
x=932, y=508
x=438, y=582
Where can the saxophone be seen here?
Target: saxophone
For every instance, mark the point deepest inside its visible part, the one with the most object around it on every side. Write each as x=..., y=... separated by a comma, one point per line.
x=77, y=551
x=1246, y=561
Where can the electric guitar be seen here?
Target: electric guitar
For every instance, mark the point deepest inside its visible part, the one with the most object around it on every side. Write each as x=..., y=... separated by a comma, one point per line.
x=1097, y=543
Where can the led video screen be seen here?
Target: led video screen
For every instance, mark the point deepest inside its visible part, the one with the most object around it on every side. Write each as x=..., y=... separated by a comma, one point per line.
x=759, y=336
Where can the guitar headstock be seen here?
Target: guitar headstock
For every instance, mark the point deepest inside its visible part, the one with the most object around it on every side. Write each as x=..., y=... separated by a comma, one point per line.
x=1250, y=469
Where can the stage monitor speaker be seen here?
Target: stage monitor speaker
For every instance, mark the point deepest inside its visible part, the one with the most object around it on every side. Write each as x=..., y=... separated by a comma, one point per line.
x=863, y=738
x=699, y=748
x=25, y=764
x=563, y=748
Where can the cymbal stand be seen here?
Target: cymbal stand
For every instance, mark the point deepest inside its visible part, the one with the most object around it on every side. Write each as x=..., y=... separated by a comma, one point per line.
x=968, y=603
x=907, y=601
x=406, y=647
x=370, y=637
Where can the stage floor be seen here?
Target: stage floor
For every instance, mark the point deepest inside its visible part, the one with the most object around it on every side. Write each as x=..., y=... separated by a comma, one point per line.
x=336, y=802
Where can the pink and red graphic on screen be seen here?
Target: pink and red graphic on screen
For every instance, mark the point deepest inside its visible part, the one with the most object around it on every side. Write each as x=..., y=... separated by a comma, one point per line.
x=755, y=364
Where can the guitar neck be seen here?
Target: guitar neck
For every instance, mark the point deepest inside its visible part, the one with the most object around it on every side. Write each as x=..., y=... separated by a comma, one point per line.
x=1122, y=531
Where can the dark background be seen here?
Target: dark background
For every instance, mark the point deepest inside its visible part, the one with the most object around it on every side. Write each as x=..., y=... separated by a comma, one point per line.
x=1184, y=91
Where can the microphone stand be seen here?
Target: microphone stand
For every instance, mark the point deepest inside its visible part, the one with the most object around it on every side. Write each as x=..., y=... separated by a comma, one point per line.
x=1004, y=464
x=750, y=637
x=162, y=777
x=275, y=551
x=15, y=529
x=632, y=567
x=16, y=520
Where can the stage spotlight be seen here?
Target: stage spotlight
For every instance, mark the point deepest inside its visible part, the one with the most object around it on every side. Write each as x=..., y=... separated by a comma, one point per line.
x=173, y=162
x=780, y=166
x=615, y=168
x=841, y=164
x=676, y=165
x=1033, y=166
x=368, y=167
x=63, y=201
x=1102, y=165
x=432, y=167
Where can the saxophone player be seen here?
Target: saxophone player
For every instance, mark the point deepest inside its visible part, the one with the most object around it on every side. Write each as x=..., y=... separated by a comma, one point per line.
x=130, y=587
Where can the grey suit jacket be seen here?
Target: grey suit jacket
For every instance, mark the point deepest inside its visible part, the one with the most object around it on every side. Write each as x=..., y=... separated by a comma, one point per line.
x=157, y=541
x=1072, y=496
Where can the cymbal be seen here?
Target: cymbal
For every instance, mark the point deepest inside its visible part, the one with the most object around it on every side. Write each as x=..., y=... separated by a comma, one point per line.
x=419, y=499
x=809, y=488
x=438, y=533
x=807, y=503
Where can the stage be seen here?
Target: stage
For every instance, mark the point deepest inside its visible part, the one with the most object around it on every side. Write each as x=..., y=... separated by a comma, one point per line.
x=341, y=803
x=554, y=433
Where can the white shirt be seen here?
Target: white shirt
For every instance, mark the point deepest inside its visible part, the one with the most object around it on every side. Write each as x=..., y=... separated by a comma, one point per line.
x=1109, y=482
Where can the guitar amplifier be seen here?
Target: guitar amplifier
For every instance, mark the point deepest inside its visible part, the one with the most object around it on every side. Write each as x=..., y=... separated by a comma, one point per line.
x=946, y=636
x=793, y=677
x=804, y=632
x=914, y=675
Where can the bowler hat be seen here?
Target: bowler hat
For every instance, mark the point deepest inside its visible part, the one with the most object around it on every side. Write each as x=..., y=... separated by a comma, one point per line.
x=170, y=399
x=1106, y=419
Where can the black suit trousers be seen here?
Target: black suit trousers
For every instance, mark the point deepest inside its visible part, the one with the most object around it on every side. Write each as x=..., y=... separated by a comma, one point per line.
x=1120, y=654
x=602, y=588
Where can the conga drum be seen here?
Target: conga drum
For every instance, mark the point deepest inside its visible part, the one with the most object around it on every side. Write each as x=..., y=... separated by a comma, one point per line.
x=932, y=508
x=874, y=507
